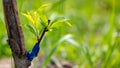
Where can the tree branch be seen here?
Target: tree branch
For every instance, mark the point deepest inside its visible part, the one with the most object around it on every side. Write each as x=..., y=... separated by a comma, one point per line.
x=15, y=34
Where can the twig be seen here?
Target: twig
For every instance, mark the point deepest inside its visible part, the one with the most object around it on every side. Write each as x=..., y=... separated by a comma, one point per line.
x=43, y=33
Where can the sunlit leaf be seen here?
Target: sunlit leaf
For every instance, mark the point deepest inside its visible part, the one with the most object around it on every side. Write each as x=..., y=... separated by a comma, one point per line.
x=33, y=17
x=28, y=17
x=60, y=22
x=42, y=7
x=44, y=19
x=68, y=23
x=45, y=5
x=56, y=19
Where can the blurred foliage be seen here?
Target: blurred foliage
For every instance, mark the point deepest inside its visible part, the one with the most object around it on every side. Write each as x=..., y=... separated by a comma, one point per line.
x=95, y=31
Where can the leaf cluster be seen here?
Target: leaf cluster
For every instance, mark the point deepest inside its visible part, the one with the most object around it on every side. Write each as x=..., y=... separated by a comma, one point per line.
x=38, y=21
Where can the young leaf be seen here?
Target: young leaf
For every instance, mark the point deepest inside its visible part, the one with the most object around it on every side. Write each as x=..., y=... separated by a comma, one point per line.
x=44, y=19
x=42, y=7
x=68, y=23
x=28, y=17
x=57, y=19
x=60, y=22
x=35, y=17
x=32, y=29
x=42, y=23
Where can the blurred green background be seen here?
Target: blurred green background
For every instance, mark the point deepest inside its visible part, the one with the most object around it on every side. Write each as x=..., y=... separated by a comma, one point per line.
x=92, y=41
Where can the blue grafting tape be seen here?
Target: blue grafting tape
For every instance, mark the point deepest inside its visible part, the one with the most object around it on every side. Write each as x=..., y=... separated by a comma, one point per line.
x=34, y=52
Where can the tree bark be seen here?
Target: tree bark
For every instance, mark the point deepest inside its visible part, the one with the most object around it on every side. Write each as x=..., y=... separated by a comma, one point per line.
x=15, y=34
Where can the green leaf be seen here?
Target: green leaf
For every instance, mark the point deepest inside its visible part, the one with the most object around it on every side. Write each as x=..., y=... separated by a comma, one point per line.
x=60, y=21
x=68, y=23
x=42, y=23
x=29, y=18
x=57, y=19
x=42, y=7
x=32, y=29
x=34, y=19
x=44, y=19
x=52, y=29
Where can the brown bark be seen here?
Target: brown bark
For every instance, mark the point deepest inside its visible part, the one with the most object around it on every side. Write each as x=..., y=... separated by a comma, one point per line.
x=15, y=34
